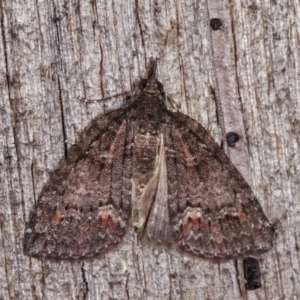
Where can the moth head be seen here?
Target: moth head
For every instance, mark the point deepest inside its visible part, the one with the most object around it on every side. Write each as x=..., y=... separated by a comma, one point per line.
x=151, y=85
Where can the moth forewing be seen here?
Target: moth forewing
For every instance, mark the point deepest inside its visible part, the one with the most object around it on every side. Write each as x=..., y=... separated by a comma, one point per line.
x=144, y=181
x=158, y=225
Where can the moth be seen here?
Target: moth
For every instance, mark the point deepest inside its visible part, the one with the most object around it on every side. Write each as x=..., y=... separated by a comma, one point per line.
x=156, y=170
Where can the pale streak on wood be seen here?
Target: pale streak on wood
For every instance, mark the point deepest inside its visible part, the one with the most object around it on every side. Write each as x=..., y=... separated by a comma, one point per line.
x=253, y=295
x=224, y=52
x=227, y=93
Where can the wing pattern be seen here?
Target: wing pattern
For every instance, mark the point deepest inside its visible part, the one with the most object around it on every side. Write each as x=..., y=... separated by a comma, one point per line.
x=212, y=209
x=85, y=210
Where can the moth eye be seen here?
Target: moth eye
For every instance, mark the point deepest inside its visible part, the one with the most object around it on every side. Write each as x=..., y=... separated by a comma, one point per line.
x=143, y=84
x=160, y=86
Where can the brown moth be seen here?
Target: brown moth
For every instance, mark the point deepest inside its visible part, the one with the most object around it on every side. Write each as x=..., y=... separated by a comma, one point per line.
x=155, y=169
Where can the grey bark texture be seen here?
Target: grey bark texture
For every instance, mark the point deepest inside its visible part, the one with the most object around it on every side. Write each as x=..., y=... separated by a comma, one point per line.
x=242, y=78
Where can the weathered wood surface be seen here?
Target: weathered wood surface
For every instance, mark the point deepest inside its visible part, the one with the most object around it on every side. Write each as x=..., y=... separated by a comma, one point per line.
x=243, y=78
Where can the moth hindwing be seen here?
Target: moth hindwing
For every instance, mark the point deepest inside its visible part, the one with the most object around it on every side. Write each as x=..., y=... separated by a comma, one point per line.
x=155, y=169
